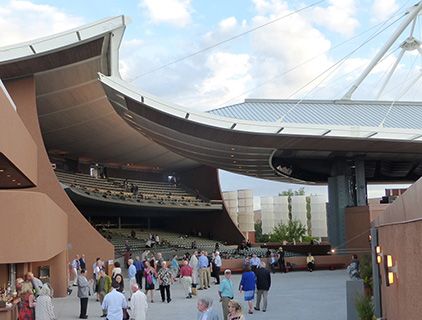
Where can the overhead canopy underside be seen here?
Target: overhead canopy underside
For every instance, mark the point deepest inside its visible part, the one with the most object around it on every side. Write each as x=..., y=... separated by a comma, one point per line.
x=101, y=118
x=76, y=119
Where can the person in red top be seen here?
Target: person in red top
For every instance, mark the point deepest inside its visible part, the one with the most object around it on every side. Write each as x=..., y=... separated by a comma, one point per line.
x=186, y=278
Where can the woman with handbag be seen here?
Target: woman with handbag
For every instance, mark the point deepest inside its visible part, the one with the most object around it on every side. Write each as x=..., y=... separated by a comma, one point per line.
x=150, y=277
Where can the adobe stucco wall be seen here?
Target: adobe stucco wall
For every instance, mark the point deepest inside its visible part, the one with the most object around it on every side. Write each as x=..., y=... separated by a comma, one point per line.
x=82, y=237
x=400, y=235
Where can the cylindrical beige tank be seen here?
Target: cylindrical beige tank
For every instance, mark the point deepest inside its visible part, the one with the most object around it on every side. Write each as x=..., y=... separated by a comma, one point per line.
x=245, y=213
x=318, y=216
x=230, y=201
x=267, y=214
x=281, y=209
x=299, y=209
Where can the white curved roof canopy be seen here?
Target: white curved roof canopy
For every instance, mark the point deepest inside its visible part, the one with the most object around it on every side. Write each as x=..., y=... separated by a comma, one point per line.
x=76, y=119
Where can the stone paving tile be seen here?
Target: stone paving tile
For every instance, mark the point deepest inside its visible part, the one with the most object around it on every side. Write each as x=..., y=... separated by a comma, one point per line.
x=320, y=295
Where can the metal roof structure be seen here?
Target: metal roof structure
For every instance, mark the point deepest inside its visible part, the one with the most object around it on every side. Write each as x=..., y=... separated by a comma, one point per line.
x=383, y=114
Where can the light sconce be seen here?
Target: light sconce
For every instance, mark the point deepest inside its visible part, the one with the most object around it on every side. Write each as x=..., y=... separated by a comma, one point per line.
x=390, y=270
x=379, y=254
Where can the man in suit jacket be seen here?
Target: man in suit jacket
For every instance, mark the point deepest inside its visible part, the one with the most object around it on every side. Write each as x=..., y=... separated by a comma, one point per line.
x=263, y=284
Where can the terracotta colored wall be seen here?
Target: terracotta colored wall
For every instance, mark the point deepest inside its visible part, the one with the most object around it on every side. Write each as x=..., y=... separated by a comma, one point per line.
x=37, y=230
x=400, y=235
x=83, y=238
x=402, y=299
x=16, y=142
x=357, y=227
x=58, y=272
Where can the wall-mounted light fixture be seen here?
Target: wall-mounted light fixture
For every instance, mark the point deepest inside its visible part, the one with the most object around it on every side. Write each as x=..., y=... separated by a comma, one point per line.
x=390, y=270
x=379, y=254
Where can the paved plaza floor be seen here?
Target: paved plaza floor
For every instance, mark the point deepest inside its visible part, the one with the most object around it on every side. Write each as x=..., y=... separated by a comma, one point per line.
x=320, y=295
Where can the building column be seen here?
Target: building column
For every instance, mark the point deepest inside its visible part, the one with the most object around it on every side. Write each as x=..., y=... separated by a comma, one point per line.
x=340, y=196
x=360, y=183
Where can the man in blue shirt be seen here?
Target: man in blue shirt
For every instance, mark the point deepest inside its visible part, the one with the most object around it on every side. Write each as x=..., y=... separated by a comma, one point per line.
x=226, y=292
x=131, y=272
x=114, y=302
x=139, y=265
x=203, y=264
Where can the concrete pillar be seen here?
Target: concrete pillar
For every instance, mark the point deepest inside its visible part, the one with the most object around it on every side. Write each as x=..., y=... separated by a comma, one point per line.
x=338, y=199
x=360, y=183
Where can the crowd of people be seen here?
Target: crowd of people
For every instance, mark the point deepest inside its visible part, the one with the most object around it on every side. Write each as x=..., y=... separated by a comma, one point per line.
x=33, y=299
x=150, y=272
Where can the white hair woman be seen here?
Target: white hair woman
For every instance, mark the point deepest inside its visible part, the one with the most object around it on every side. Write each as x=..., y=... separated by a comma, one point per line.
x=44, y=309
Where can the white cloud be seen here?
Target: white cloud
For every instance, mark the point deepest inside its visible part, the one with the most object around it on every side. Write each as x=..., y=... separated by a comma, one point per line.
x=229, y=75
x=338, y=17
x=282, y=46
x=382, y=9
x=174, y=12
x=23, y=20
x=227, y=24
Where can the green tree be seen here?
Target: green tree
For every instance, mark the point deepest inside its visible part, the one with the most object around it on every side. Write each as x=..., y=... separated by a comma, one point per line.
x=309, y=215
x=293, y=231
x=259, y=237
x=289, y=193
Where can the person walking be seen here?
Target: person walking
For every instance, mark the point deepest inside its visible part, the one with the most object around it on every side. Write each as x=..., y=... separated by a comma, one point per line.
x=114, y=304
x=203, y=264
x=217, y=263
x=247, y=285
x=263, y=284
x=131, y=272
x=44, y=309
x=310, y=262
x=226, y=292
x=193, y=263
x=138, y=304
x=139, y=265
x=165, y=279
x=103, y=286
x=186, y=278
x=150, y=276
x=281, y=261
x=119, y=280
x=83, y=293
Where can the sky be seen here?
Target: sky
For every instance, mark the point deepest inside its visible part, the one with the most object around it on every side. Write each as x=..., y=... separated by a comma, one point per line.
x=208, y=54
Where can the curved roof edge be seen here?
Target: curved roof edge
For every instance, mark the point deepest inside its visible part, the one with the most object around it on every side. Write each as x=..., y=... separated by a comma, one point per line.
x=261, y=127
x=41, y=46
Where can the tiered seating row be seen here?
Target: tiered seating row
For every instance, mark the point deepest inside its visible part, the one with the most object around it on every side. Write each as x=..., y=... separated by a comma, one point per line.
x=149, y=192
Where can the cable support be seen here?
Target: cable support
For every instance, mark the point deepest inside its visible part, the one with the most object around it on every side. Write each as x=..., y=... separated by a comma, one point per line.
x=226, y=40
x=316, y=56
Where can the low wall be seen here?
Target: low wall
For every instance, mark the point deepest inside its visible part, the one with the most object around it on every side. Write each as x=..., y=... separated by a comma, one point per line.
x=323, y=262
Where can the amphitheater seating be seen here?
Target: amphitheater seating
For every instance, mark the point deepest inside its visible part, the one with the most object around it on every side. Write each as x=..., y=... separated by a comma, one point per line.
x=149, y=192
x=172, y=243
